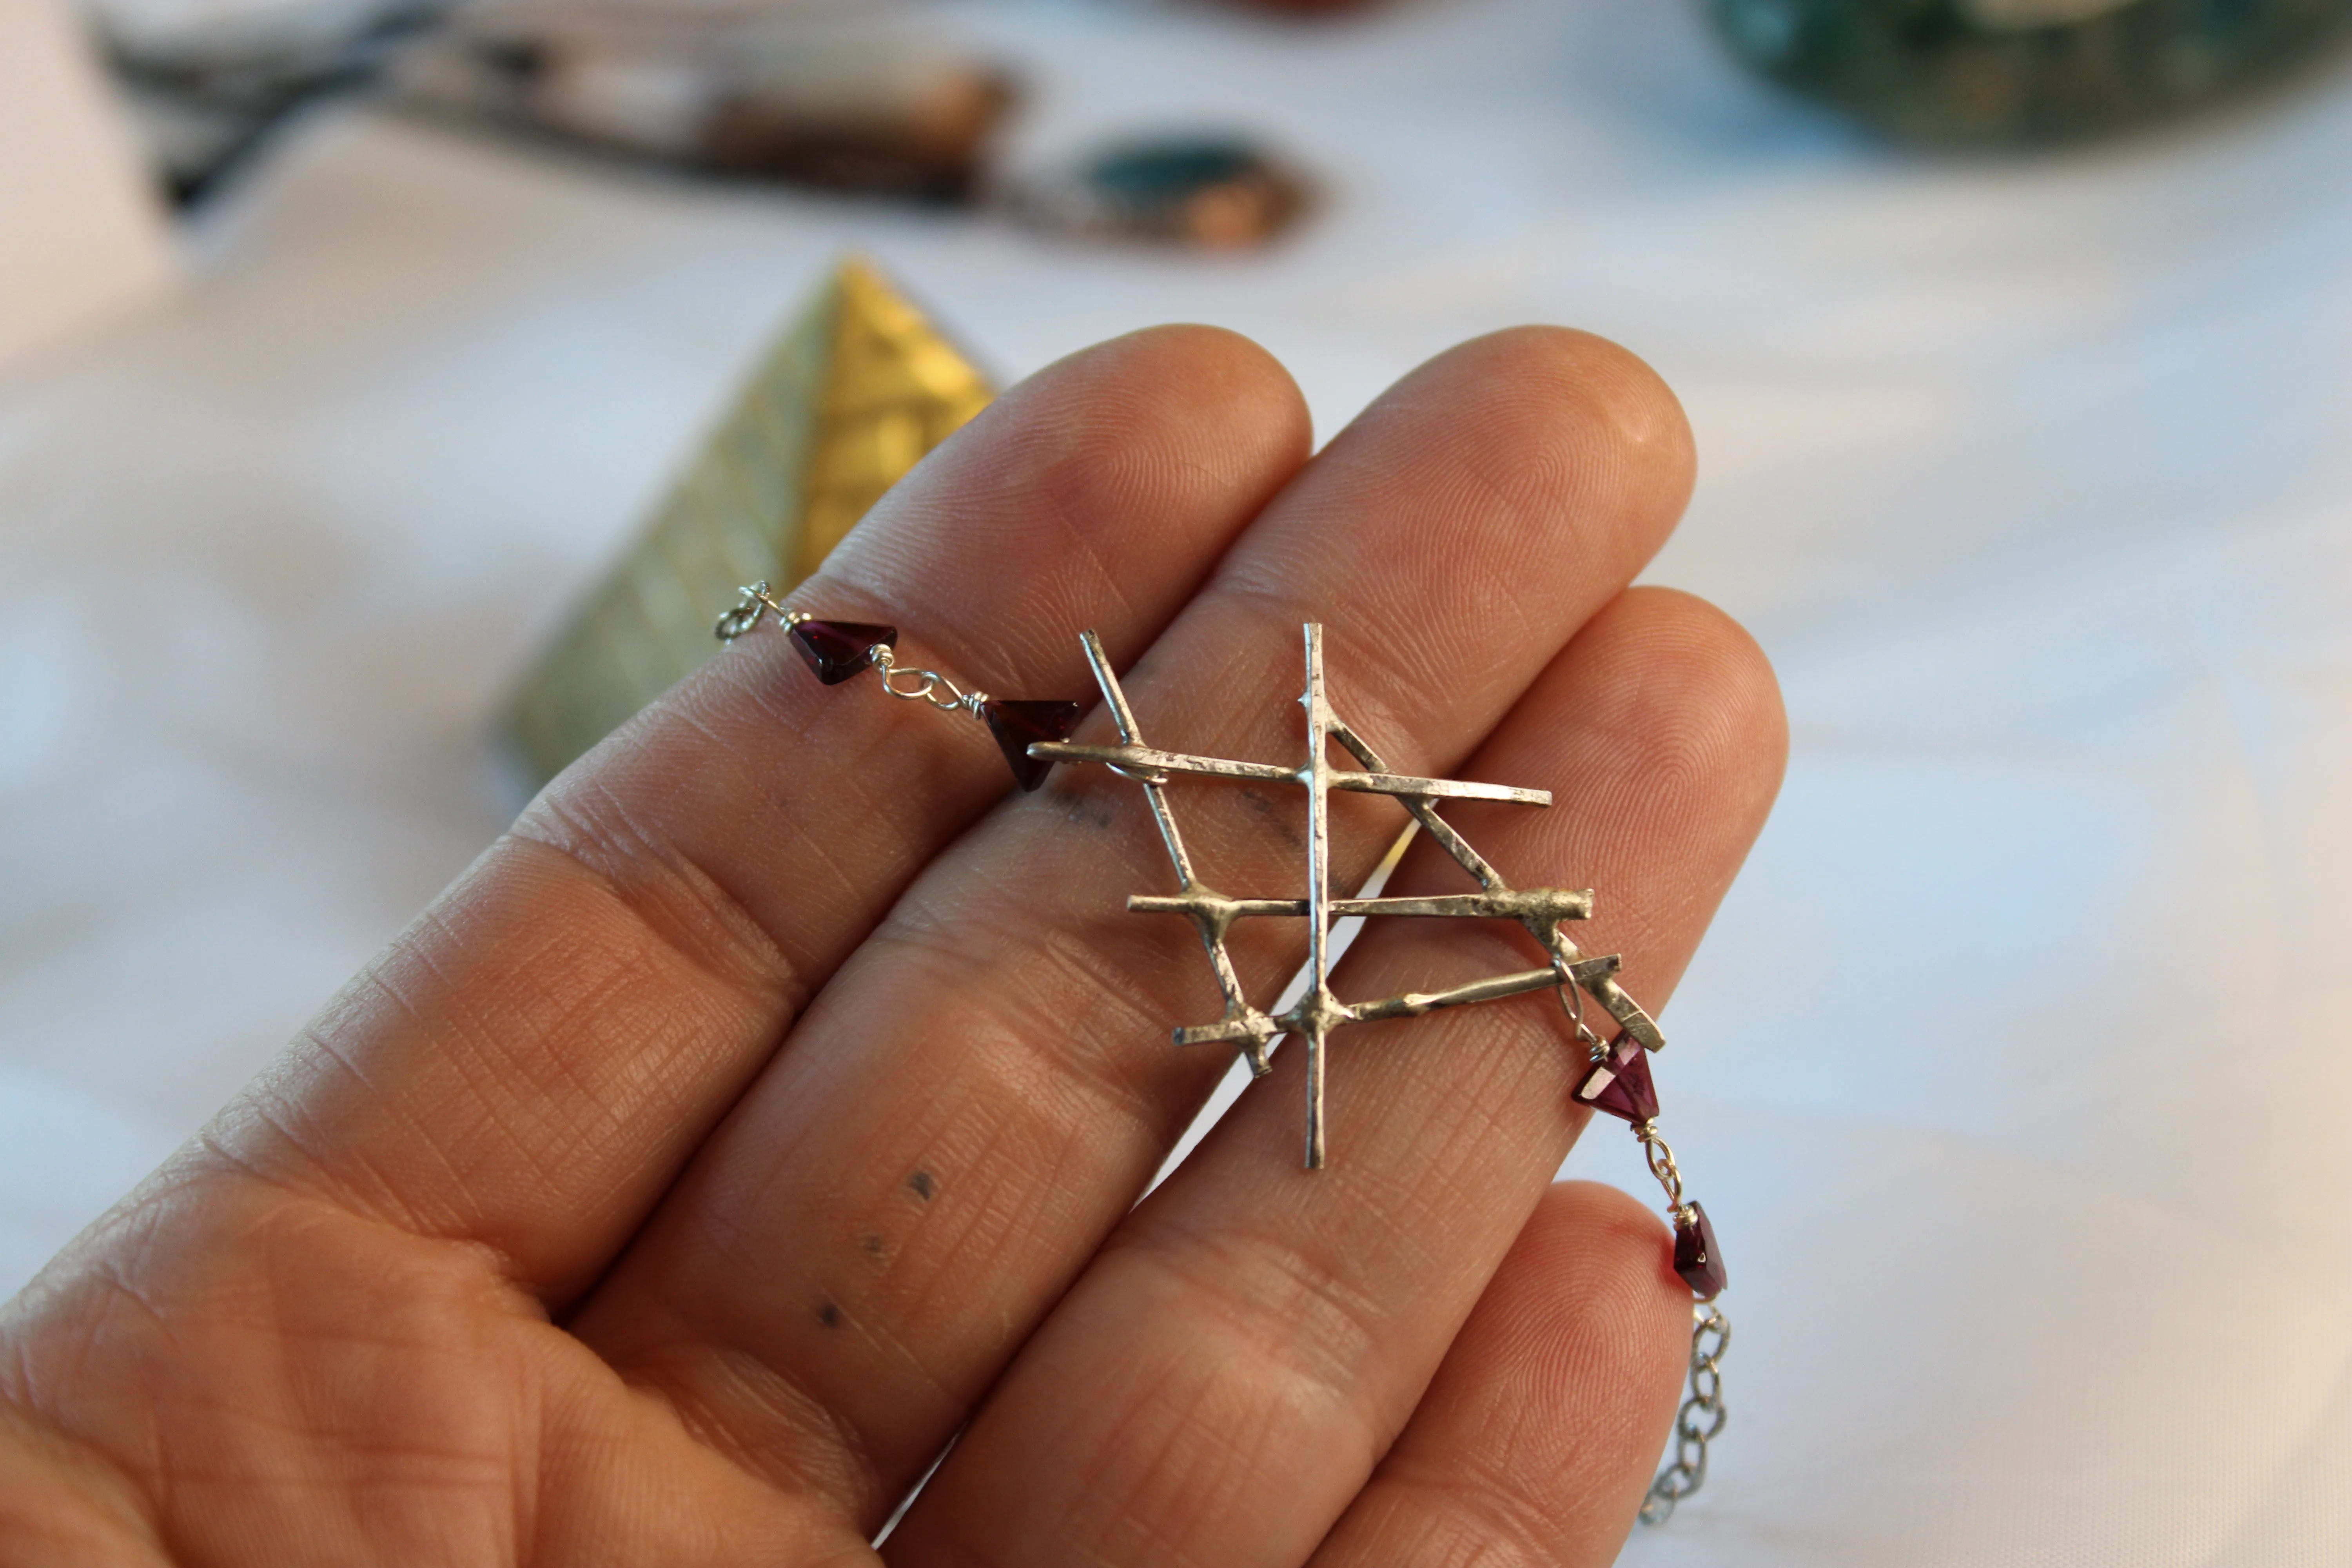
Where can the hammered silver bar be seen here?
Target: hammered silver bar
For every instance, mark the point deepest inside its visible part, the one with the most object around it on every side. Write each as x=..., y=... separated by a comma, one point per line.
x=1139, y=760
x=1598, y=978
x=1413, y=1003
x=1317, y=1010
x=1257, y=1032
x=1510, y=904
x=1409, y=1005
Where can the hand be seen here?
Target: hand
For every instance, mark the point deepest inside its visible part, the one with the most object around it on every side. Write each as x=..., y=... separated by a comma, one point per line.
x=772, y=1103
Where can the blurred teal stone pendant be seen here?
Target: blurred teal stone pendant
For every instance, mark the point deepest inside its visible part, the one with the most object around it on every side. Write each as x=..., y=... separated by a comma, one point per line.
x=2020, y=71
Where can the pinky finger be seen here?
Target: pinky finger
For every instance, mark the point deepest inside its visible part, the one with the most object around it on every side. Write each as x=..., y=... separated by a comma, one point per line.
x=1535, y=1442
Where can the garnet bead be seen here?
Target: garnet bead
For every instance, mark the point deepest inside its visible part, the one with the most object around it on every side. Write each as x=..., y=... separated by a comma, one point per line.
x=1696, y=1258
x=839, y=649
x=1017, y=725
x=1620, y=1083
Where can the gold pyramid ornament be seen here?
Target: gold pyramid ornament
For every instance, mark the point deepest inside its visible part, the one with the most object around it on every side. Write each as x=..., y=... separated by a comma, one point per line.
x=859, y=389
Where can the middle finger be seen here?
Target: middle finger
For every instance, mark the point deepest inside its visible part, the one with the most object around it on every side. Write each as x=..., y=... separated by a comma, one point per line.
x=979, y=1095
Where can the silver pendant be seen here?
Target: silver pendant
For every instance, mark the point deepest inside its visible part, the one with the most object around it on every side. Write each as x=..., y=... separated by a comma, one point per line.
x=1319, y=1012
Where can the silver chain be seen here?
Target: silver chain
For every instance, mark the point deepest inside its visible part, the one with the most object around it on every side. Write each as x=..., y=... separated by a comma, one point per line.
x=1702, y=1414
x=1699, y=1420
x=757, y=601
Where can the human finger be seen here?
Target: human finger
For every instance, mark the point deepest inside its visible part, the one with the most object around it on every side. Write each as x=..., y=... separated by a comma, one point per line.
x=1535, y=1441
x=1219, y=1384
x=983, y=1091
x=526, y=1067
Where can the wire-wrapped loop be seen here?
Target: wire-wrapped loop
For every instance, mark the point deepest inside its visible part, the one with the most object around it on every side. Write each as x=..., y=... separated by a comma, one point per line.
x=930, y=686
x=753, y=604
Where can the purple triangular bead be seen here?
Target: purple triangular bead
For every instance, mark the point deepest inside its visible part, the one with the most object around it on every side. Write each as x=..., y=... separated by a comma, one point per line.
x=1019, y=724
x=1620, y=1083
x=1696, y=1258
x=839, y=649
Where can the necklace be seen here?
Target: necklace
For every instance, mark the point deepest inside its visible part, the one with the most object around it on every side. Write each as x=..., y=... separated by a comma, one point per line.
x=1034, y=735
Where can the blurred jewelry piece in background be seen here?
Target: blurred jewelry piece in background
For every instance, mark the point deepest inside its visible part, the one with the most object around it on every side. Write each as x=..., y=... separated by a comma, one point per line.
x=1211, y=192
x=847, y=97
x=731, y=91
x=853, y=394
x=770, y=96
x=207, y=85
x=2022, y=72
x=82, y=241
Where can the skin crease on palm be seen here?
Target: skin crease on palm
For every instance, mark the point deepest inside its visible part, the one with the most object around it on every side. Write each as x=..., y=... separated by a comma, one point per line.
x=772, y=1103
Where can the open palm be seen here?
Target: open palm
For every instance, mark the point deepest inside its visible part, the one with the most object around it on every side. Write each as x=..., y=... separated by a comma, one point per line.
x=771, y=1105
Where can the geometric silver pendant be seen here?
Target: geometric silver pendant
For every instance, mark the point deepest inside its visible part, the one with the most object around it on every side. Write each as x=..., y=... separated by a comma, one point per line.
x=1318, y=1013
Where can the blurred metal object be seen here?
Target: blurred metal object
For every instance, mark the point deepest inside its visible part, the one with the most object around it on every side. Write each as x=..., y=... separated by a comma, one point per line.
x=205, y=98
x=1217, y=192
x=853, y=394
x=802, y=92
x=1995, y=71
x=741, y=93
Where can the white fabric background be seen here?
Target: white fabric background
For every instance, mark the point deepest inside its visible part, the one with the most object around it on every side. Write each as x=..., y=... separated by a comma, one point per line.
x=2018, y=1071
x=82, y=241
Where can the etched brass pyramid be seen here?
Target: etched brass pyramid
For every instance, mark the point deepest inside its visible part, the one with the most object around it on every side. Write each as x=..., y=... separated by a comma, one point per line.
x=854, y=393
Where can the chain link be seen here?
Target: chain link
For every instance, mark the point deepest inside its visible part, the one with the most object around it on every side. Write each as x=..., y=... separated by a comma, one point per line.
x=1571, y=1002
x=753, y=604
x=1662, y=1164
x=1700, y=1419
x=928, y=685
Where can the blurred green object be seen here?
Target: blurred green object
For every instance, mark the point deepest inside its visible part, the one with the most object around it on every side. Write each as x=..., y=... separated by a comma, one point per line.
x=1213, y=192
x=844, y=405
x=2014, y=72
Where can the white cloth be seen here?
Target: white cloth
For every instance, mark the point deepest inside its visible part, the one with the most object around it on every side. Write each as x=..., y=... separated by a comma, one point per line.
x=2016, y=1073
x=82, y=240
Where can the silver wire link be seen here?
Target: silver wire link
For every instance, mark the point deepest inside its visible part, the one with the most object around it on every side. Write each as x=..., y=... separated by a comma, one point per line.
x=928, y=685
x=753, y=602
x=1662, y=1165
x=1700, y=1419
x=1571, y=1002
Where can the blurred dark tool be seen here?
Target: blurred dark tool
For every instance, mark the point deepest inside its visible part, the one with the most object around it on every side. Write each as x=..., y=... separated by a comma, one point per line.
x=849, y=397
x=1991, y=71
x=1215, y=193
x=205, y=98
x=727, y=93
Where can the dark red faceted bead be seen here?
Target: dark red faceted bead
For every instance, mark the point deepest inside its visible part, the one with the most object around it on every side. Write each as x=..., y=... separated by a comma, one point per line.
x=1620, y=1083
x=1018, y=725
x=839, y=649
x=1696, y=1258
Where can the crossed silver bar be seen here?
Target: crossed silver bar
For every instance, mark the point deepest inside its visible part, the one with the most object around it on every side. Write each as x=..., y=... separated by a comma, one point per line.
x=1319, y=1012
x=1134, y=760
